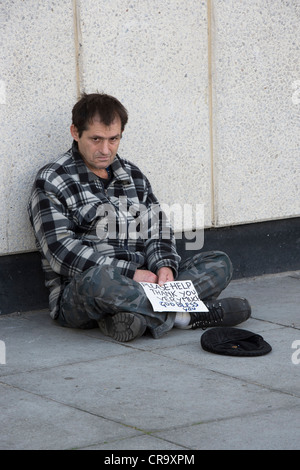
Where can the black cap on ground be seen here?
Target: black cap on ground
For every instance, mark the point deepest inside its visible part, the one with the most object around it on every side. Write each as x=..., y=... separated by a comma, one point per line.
x=234, y=342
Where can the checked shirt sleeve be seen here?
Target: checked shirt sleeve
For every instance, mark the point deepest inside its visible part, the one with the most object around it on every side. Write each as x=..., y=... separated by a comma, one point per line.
x=55, y=233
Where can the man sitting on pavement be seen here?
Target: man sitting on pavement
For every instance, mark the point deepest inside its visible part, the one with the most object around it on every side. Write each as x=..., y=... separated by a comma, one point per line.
x=93, y=267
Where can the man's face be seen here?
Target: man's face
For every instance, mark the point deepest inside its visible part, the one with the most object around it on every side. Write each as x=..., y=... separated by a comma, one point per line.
x=98, y=144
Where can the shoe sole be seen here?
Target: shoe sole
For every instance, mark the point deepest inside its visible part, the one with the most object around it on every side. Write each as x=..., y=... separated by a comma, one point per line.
x=123, y=326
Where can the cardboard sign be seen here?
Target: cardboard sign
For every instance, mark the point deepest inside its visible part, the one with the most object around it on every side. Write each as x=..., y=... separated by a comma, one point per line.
x=175, y=296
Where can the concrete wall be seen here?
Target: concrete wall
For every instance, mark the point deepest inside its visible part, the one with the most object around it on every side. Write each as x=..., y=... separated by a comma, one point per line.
x=212, y=88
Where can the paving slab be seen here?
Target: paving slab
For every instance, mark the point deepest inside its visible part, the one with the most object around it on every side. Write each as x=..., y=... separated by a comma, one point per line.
x=268, y=430
x=274, y=298
x=31, y=421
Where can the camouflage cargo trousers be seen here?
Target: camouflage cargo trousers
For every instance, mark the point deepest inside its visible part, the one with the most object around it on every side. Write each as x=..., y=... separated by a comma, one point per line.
x=102, y=291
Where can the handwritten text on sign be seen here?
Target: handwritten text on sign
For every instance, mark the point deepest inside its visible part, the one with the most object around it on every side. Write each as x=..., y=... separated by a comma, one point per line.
x=175, y=296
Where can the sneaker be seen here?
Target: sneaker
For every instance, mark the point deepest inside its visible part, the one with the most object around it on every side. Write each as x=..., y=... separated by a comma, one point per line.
x=123, y=326
x=222, y=312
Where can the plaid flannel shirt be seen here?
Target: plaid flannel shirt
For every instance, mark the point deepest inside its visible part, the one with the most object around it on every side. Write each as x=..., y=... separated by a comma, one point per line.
x=66, y=206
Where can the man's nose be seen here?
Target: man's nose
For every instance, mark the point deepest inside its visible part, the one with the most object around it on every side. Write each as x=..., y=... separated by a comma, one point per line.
x=104, y=146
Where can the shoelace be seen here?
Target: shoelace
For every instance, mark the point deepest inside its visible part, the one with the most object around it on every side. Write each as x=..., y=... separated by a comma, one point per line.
x=206, y=319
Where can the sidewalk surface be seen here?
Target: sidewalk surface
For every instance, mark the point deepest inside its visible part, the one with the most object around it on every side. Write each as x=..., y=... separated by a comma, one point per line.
x=71, y=389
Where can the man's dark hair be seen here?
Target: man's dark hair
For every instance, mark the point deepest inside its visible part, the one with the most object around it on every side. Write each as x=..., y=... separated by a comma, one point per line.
x=97, y=104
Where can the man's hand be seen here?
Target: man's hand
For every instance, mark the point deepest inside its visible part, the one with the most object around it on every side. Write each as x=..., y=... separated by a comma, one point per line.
x=164, y=275
x=143, y=275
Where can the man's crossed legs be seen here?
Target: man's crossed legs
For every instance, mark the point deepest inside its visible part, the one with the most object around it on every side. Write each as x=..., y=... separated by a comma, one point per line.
x=103, y=297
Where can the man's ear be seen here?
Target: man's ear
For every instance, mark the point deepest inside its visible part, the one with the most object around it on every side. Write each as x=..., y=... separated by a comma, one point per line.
x=74, y=132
